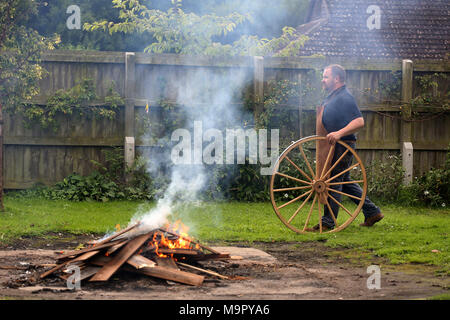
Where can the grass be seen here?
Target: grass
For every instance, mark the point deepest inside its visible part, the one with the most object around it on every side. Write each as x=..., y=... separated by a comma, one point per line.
x=407, y=235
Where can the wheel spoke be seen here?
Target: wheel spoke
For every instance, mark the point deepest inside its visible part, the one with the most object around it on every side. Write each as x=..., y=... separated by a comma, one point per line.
x=330, y=153
x=295, y=199
x=320, y=217
x=296, y=167
x=292, y=178
x=292, y=188
x=300, y=208
x=339, y=204
x=306, y=160
x=335, y=164
x=316, y=176
x=345, y=194
x=345, y=182
x=342, y=172
x=332, y=213
x=310, y=211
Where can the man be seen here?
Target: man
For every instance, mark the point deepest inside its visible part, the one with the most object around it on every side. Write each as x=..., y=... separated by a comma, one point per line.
x=341, y=118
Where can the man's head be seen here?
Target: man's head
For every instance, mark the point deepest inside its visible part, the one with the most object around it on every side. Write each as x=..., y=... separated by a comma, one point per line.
x=333, y=77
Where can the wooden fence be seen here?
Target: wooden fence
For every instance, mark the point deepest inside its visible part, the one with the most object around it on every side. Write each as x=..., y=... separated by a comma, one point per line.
x=34, y=155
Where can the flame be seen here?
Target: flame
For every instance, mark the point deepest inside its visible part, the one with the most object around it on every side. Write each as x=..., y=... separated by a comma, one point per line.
x=182, y=242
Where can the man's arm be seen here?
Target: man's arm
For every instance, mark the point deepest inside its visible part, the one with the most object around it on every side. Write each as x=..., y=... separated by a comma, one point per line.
x=352, y=127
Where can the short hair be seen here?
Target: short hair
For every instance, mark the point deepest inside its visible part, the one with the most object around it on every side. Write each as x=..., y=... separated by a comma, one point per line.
x=337, y=71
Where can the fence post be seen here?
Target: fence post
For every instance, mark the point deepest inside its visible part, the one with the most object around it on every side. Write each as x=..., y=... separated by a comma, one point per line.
x=406, y=126
x=258, y=85
x=1, y=159
x=130, y=84
x=300, y=105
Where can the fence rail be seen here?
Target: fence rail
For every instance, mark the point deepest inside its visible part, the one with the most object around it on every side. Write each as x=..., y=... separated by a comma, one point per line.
x=33, y=155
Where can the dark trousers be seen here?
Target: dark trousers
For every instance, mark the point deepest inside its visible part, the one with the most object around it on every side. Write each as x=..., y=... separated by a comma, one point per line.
x=369, y=208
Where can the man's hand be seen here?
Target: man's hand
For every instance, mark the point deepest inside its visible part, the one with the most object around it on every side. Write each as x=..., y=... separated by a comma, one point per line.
x=333, y=137
x=352, y=127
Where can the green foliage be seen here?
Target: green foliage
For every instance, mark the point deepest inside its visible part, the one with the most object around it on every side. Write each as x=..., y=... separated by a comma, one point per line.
x=94, y=187
x=390, y=89
x=384, y=178
x=174, y=30
x=385, y=183
x=287, y=45
x=432, y=188
x=20, y=53
x=77, y=101
x=429, y=95
x=178, y=31
x=249, y=185
x=52, y=17
x=111, y=181
x=278, y=94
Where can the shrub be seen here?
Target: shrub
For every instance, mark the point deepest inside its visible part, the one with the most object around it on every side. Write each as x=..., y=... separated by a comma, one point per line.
x=106, y=183
x=385, y=179
x=432, y=188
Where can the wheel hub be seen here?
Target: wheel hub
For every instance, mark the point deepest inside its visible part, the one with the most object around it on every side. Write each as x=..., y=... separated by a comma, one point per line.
x=319, y=186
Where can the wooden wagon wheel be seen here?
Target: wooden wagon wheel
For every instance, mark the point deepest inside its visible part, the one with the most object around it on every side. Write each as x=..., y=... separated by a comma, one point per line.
x=296, y=180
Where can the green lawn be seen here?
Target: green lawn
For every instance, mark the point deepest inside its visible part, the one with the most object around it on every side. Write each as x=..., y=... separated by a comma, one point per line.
x=406, y=235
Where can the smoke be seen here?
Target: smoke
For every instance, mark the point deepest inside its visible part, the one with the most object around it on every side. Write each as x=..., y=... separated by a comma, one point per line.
x=208, y=97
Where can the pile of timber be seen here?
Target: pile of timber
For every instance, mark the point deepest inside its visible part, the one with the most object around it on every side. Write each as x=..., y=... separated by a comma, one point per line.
x=142, y=254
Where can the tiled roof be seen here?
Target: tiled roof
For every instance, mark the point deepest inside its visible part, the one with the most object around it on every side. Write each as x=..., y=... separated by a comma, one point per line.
x=408, y=29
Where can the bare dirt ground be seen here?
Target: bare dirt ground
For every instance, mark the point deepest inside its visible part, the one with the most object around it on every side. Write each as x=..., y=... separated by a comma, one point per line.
x=267, y=271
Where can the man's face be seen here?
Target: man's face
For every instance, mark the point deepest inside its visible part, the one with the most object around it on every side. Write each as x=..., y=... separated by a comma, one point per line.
x=328, y=82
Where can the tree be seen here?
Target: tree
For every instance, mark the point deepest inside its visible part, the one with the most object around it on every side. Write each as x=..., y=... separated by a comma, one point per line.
x=53, y=16
x=178, y=31
x=20, y=51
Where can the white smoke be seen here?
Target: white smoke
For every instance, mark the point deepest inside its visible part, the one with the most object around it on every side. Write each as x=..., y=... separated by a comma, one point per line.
x=208, y=98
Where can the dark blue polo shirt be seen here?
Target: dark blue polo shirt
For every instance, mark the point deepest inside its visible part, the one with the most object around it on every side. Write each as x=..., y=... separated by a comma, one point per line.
x=340, y=109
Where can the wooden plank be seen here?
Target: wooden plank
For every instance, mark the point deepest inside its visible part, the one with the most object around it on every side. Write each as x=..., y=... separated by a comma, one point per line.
x=213, y=256
x=100, y=260
x=85, y=273
x=139, y=262
x=173, y=275
x=104, y=243
x=82, y=257
x=121, y=232
x=166, y=262
x=122, y=256
x=181, y=251
x=93, y=248
x=202, y=270
x=115, y=247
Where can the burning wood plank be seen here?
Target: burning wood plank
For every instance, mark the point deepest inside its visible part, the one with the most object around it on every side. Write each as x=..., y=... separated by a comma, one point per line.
x=156, y=253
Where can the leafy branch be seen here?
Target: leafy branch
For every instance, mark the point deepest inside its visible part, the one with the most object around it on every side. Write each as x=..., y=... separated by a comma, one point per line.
x=81, y=100
x=176, y=31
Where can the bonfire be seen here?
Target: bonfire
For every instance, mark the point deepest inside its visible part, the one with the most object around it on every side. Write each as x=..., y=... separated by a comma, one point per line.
x=166, y=253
